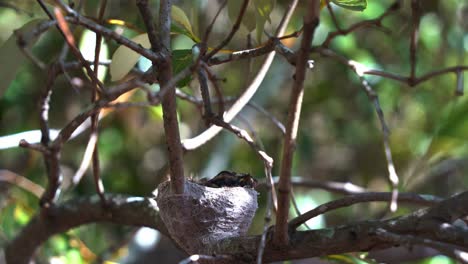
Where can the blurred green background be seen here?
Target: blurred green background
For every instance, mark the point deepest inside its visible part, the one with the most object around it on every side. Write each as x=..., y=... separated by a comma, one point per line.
x=339, y=139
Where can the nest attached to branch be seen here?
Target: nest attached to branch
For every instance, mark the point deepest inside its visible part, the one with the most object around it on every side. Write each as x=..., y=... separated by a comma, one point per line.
x=203, y=215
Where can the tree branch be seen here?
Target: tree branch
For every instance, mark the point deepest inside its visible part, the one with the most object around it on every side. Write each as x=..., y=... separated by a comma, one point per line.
x=120, y=209
x=361, y=198
x=311, y=21
x=160, y=43
x=433, y=223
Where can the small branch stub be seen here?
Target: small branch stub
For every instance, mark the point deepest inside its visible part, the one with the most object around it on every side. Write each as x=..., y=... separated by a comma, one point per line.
x=203, y=215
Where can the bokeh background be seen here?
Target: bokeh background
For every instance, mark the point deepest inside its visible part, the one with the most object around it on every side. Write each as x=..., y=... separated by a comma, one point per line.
x=340, y=138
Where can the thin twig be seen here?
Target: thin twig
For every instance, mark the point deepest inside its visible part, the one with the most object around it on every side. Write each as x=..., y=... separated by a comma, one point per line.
x=231, y=34
x=361, y=198
x=416, y=17
x=242, y=134
x=296, y=208
x=332, y=15
x=267, y=164
x=205, y=136
x=377, y=22
x=210, y=26
x=95, y=117
x=22, y=182
x=392, y=76
x=214, y=81
x=199, y=102
x=64, y=30
x=205, y=93
x=85, y=161
x=331, y=186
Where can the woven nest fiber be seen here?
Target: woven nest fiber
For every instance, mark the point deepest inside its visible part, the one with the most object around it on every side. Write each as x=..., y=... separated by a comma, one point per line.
x=205, y=215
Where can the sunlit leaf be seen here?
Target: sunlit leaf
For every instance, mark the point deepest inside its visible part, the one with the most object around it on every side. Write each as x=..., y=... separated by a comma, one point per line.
x=59, y=243
x=157, y=112
x=355, y=5
x=87, y=47
x=124, y=59
x=438, y=260
x=21, y=216
x=12, y=57
x=181, y=23
x=73, y=256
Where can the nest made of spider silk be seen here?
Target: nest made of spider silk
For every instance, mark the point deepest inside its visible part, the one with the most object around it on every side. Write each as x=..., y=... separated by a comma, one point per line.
x=203, y=215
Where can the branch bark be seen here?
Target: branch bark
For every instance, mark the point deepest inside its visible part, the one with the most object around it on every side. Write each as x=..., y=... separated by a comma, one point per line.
x=120, y=209
x=294, y=111
x=160, y=43
x=434, y=223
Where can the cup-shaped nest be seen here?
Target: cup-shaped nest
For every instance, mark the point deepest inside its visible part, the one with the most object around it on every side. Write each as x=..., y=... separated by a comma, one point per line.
x=204, y=215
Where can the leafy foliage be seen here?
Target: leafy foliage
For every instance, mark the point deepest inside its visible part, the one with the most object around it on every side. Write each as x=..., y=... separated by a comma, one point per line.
x=339, y=137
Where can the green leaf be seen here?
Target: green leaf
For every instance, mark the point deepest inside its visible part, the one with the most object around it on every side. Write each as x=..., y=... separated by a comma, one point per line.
x=157, y=112
x=124, y=59
x=12, y=57
x=263, y=10
x=181, y=59
x=181, y=24
x=355, y=5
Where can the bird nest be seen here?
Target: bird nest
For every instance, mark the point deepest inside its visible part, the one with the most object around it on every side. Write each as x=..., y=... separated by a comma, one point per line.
x=204, y=215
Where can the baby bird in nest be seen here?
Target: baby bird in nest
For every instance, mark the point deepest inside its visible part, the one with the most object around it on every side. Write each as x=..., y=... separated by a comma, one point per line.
x=230, y=179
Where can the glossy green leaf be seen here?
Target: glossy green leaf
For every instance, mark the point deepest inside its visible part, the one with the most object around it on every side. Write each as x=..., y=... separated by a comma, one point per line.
x=355, y=5
x=12, y=56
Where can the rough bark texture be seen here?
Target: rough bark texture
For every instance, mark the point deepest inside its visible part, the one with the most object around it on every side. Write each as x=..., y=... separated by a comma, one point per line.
x=433, y=223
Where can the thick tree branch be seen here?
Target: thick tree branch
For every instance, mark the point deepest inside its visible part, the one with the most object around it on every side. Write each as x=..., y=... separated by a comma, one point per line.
x=435, y=223
x=120, y=209
x=416, y=17
x=311, y=21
